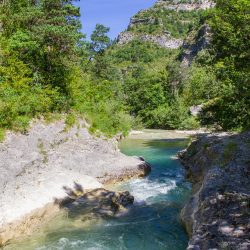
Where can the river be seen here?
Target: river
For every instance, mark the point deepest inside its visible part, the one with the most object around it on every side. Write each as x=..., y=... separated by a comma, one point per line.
x=152, y=223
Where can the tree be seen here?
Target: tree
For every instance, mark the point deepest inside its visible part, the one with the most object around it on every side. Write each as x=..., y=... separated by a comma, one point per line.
x=99, y=38
x=231, y=31
x=99, y=42
x=38, y=39
x=231, y=47
x=45, y=35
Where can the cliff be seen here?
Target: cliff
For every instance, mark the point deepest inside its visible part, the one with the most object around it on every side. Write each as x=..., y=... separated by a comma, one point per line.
x=164, y=41
x=166, y=24
x=195, y=42
x=185, y=5
x=217, y=215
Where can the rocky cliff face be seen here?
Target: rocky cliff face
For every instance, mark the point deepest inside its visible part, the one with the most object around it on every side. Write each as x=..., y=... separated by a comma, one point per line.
x=217, y=215
x=194, y=43
x=164, y=41
x=185, y=5
x=153, y=25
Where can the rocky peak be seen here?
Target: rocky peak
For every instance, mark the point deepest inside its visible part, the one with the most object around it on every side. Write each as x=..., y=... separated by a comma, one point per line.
x=185, y=5
x=135, y=21
x=158, y=25
x=139, y=19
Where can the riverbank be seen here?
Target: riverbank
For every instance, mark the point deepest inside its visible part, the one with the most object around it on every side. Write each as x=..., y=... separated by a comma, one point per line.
x=158, y=134
x=158, y=200
x=40, y=167
x=217, y=215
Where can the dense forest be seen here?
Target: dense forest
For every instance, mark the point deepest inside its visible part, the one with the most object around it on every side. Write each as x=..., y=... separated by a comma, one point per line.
x=49, y=68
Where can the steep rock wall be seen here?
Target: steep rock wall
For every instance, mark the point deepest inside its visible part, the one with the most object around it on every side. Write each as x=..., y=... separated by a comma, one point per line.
x=150, y=26
x=194, y=43
x=164, y=41
x=187, y=5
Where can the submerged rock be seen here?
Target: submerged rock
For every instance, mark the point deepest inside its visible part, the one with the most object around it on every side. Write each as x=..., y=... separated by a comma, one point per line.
x=217, y=215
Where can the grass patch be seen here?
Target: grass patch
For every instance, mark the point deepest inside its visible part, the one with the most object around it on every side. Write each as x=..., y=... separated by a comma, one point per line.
x=70, y=121
x=52, y=117
x=42, y=151
x=2, y=134
x=21, y=124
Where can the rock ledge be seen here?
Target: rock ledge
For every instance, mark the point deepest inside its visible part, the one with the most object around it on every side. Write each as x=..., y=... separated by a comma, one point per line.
x=39, y=167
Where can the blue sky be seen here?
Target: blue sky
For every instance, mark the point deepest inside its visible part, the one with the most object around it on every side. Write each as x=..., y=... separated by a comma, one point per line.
x=112, y=13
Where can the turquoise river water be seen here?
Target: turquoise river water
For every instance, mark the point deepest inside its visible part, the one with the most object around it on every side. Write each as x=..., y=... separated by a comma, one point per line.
x=152, y=223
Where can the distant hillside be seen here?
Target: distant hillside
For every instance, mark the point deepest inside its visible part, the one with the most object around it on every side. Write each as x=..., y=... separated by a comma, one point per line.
x=149, y=55
x=201, y=66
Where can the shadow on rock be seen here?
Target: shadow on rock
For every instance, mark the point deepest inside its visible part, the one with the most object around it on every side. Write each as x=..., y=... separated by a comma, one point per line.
x=98, y=203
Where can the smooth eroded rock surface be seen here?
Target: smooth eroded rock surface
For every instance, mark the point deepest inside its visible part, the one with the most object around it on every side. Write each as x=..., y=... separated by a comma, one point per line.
x=39, y=167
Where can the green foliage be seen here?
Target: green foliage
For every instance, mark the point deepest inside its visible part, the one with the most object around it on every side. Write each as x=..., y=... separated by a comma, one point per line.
x=159, y=20
x=142, y=90
x=137, y=51
x=219, y=78
x=108, y=119
x=98, y=99
x=42, y=61
x=44, y=36
x=46, y=67
x=231, y=29
x=99, y=38
x=37, y=40
x=150, y=80
x=52, y=117
x=2, y=134
x=201, y=85
x=20, y=99
x=174, y=116
x=70, y=120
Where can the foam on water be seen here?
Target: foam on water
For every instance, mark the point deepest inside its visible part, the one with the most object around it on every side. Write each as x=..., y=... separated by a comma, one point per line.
x=65, y=243
x=144, y=189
